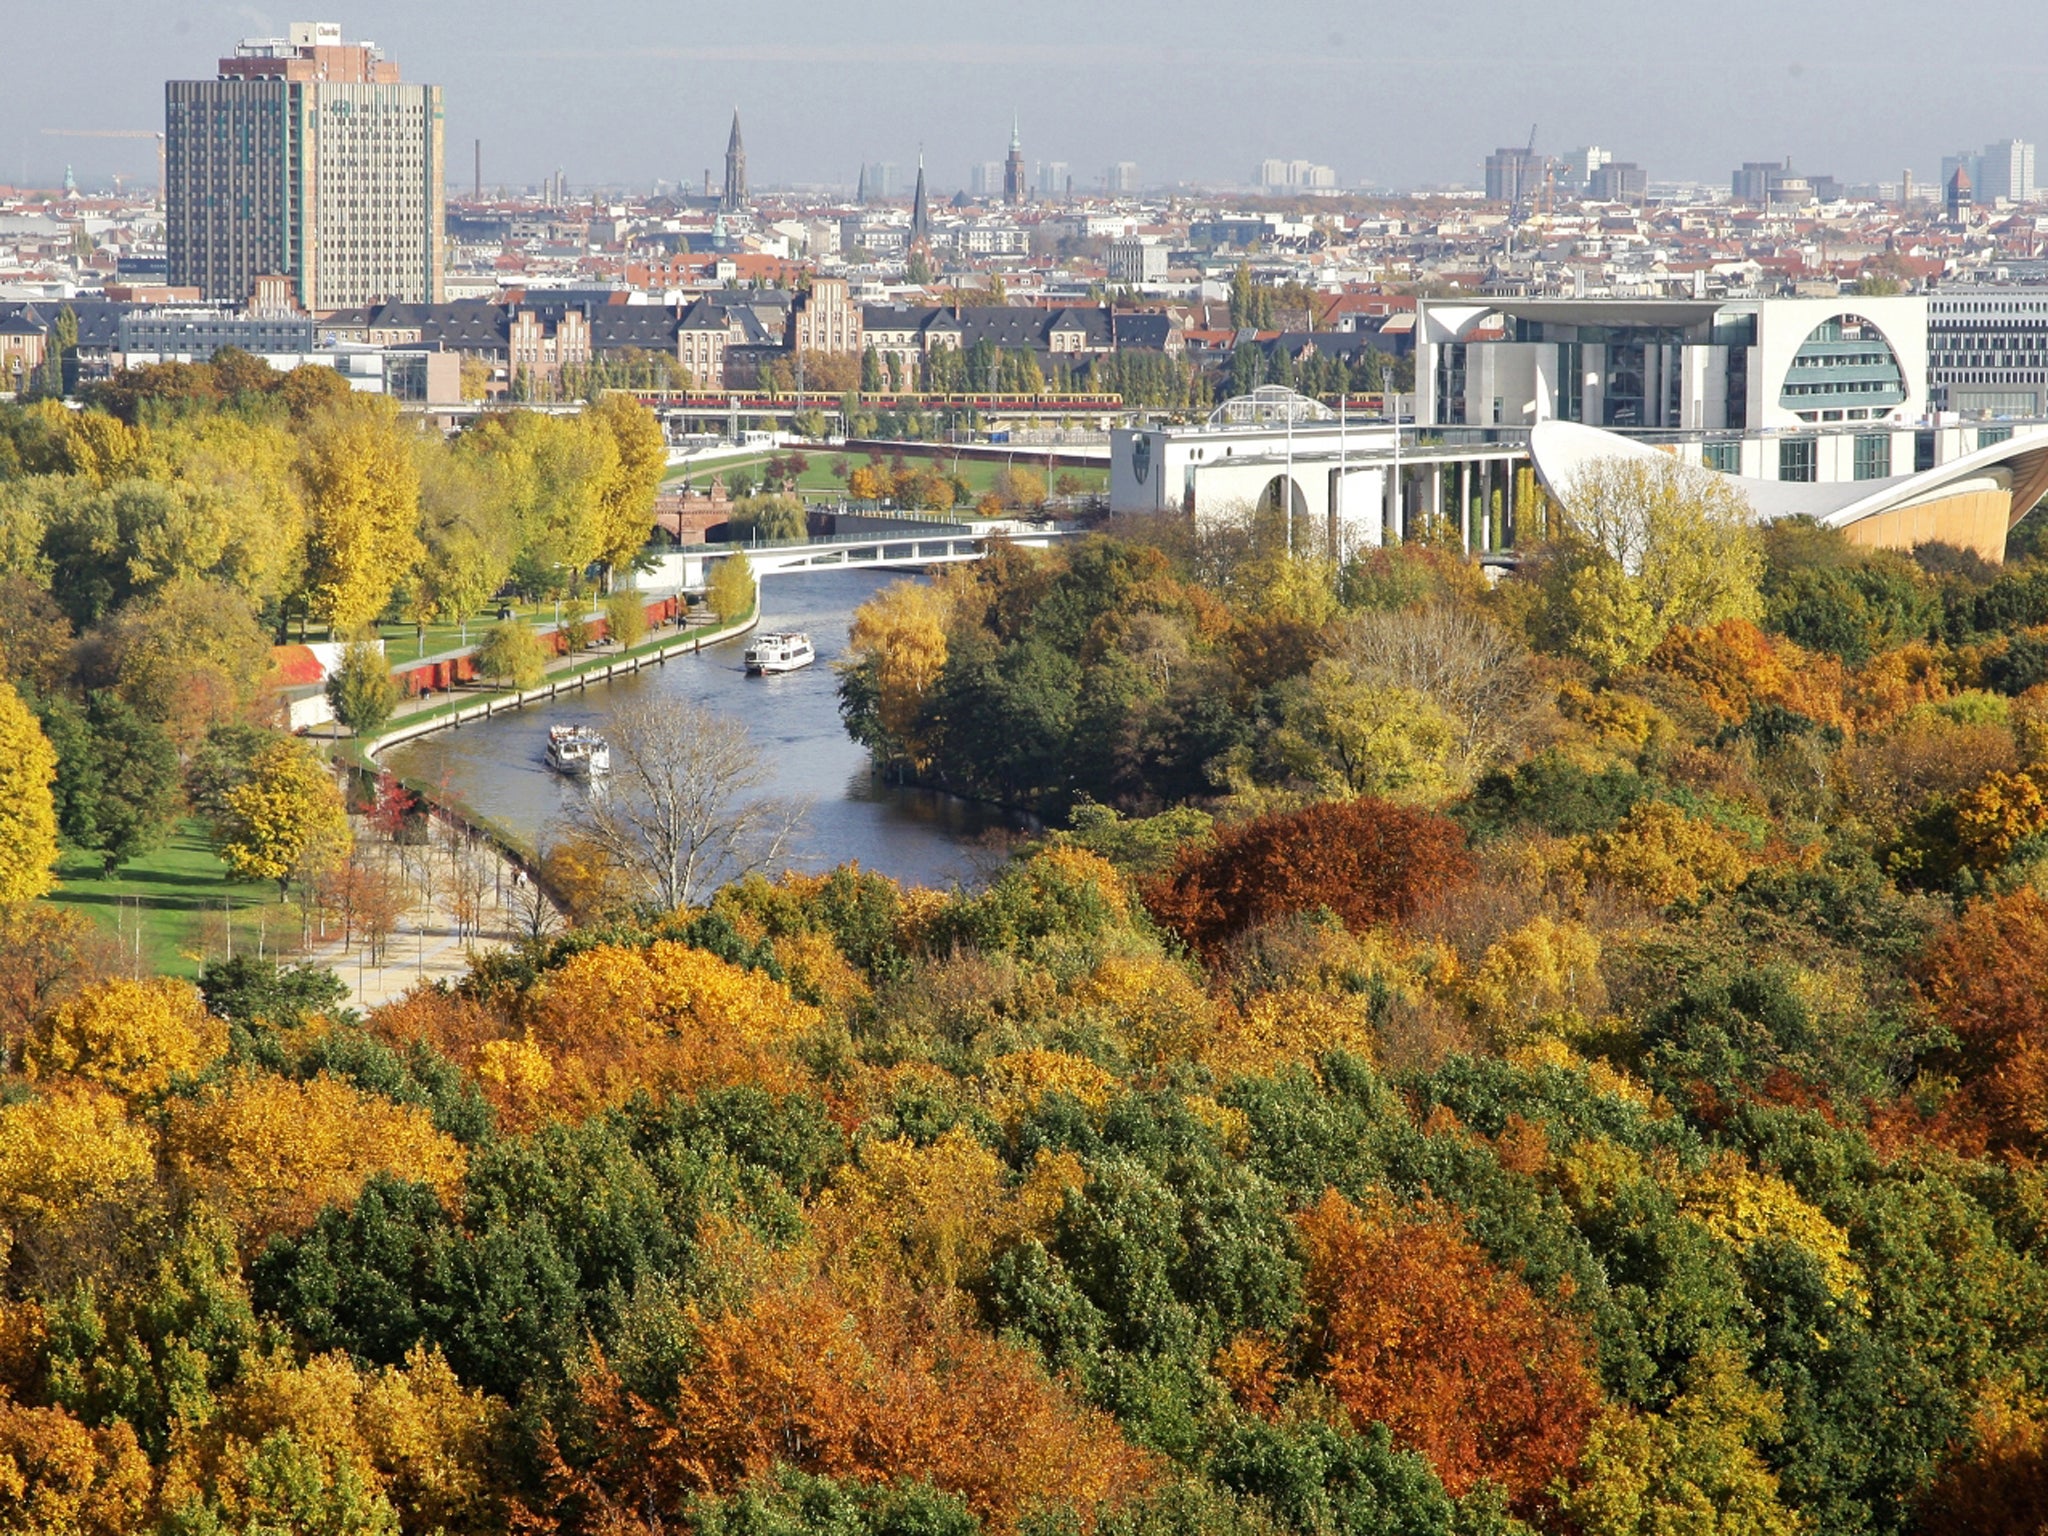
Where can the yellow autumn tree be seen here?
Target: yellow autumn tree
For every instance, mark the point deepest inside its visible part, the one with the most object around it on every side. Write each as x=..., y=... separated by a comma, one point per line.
x=667, y=1017
x=270, y=1154
x=1154, y=1006
x=429, y=1439
x=929, y=1215
x=59, y=1478
x=326, y=1445
x=362, y=507
x=899, y=640
x=244, y=474
x=1542, y=978
x=1665, y=856
x=1998, y=815
x=626, y=498
x=286, y=820
x=1648, y=542
x=1347, y=733
x=732, y=588
x=28, y=815
x=131, y=1036
x=1015, y=1084
x=1694, y=1468
x=1292, y=1025
x=70, y=1162
x=1743, y=1207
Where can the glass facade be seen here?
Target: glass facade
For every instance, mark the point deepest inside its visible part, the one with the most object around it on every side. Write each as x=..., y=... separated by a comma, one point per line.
x=1797, y=458
x=1844, y=371
x=1725, y=457
x=1450, y=384
x=1571, y=381
x=1874, y=456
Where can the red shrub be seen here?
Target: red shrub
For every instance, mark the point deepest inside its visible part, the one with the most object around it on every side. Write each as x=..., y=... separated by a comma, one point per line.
x=1366, y=860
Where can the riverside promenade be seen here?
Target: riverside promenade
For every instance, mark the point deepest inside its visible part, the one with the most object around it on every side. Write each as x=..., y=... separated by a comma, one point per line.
x=501, y=902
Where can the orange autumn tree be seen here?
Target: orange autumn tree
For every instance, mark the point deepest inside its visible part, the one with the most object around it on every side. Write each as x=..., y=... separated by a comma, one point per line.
x=894, y=1392
x=1366, y=860
x=1411, y=1325
x=1986, y=976
x=1734, y=666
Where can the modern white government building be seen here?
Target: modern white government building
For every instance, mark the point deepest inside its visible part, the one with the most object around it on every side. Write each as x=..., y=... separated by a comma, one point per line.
x=1825, y=407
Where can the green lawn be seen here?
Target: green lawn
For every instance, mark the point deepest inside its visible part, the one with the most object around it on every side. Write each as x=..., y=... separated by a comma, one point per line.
x=179, y=899
x=402, y=642
x=980, y=474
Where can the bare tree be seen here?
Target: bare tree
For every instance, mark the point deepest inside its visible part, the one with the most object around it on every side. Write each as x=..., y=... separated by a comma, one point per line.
x=1479, y=675
x=471, y=873
x=534, y=915
x=678, y=810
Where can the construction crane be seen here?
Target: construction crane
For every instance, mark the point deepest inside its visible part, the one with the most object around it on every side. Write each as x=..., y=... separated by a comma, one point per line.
x=117, y=133
x=1520, y=204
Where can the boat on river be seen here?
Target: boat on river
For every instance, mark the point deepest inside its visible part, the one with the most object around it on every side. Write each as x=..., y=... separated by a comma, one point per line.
x=578, y=751
x=780, y=651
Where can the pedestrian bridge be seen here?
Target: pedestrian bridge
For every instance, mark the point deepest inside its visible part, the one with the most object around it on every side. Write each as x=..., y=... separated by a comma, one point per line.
x=687, y=567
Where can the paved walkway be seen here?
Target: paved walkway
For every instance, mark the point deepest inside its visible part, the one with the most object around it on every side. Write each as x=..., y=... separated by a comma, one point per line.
x=427, y=944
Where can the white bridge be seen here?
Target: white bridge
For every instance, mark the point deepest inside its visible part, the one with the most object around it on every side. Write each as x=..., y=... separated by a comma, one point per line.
x=915, y=546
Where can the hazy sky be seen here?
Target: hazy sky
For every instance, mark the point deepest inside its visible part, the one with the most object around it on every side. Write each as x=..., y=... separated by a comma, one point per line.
x=629, y=90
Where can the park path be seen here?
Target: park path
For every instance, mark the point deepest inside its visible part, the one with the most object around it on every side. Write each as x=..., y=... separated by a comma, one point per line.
x=428, y=944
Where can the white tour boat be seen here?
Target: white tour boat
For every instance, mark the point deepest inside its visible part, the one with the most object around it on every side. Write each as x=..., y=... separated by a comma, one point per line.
x=578, y=751
x=783, y=651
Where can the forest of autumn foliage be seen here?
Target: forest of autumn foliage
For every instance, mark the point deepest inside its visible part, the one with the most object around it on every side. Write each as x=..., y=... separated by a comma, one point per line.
x=1563, y=1056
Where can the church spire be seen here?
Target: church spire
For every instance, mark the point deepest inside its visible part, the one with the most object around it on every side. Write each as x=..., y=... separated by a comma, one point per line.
x=735, y=197
x=1013, y=167
x=920, y=211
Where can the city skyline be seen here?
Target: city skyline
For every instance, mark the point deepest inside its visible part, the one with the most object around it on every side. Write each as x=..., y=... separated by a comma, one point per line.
x=1131, y=93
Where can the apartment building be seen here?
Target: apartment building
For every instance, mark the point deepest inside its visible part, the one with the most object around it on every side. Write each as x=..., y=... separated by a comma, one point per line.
x=306, y=157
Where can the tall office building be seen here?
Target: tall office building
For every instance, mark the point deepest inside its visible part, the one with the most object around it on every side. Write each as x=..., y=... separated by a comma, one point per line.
x=2005, y=169
x=305, y=158
x=1122, y=177
x=1295, y=176
x=1618, y=181
x=1576, y=167
x=1753, y=183
x=1514, y=175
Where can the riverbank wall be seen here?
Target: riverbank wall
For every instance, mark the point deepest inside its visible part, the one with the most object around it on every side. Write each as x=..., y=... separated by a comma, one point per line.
x=362, y=757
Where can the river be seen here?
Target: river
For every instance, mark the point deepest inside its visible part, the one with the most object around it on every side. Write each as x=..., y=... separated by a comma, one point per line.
x=918, y=837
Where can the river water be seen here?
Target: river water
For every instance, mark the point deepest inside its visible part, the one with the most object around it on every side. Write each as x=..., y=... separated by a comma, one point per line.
x=495, y=767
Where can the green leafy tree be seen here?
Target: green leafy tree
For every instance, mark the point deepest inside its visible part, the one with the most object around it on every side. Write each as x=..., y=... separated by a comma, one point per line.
x=512, y=654
x=362, y=691
x=117, y=777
